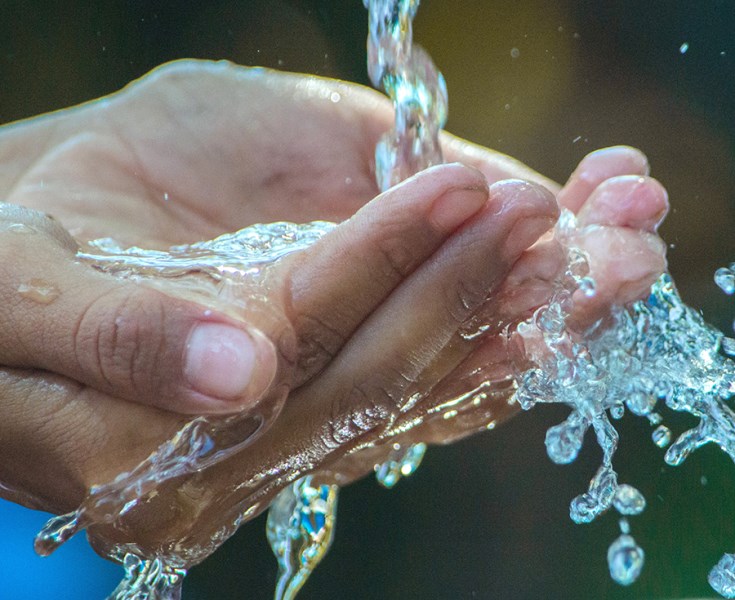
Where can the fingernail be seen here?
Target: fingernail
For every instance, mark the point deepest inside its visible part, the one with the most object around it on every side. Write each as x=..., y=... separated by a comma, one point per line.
x=616, y=160
x=220, y=361
x=454, y=207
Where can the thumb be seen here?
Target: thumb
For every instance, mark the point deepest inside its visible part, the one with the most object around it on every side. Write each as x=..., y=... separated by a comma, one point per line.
x=120, y=337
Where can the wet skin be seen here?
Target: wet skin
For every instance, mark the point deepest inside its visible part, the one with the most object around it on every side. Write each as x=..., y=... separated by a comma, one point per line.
x=359, y=322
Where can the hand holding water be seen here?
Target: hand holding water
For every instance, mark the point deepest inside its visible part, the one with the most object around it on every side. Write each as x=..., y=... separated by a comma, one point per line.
x=347, y=341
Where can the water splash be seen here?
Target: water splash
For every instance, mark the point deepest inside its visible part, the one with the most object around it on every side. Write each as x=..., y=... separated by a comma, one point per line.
x=402, y=462
x=722, y=576
x=148, y=580
x=300, y=529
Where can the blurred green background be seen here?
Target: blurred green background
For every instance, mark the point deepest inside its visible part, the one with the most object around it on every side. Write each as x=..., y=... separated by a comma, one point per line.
x=487, y=518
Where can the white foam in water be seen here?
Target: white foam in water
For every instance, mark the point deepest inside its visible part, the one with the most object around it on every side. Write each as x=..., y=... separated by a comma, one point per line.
x=656, y=352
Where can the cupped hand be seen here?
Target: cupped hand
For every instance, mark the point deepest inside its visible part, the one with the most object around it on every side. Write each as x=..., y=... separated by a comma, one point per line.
x=366, y=316
x=418, y=384
x=189, y=152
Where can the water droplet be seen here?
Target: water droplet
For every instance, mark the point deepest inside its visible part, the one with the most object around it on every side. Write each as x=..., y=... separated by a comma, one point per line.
x=564, y=441
x=725, y=279
x=625, y=560
x=335, y=97
x=624, y=525
x=722, y=576
x=628, y=500
x=402, y=462
x=515, y=52
x=39, y=290
x=683, y=48
x=654, y=418
x=617, y=411
x=507, y=107
x=165, y=197
x=661, y=436
x=703, y=480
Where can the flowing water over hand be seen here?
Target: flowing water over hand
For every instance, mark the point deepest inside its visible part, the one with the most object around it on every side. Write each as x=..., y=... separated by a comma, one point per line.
x=656, y=352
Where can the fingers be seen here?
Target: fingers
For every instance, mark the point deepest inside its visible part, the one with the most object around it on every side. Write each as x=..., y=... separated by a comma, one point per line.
x=425, y=312
x=624, y=263
x=120, y=337
x=617, y=223
x=597, y=167
x=338, y=282
x=58, y=438
x=626, y=201
x=494, y=165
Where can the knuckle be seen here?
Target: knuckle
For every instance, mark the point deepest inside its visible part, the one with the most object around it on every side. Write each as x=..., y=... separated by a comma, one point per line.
x=119, y=338
x=364, y=410
x=318, y=343
x=395, y=259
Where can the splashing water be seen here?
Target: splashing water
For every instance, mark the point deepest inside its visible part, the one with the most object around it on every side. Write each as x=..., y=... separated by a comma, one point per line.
x=300, y=529
x=655, y=352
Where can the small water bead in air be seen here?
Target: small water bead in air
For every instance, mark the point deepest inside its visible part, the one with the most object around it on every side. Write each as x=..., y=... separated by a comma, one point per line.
x=625, y=560
x=661, y=436
x=725, y=279
x=39, y=290
x=564, y=441
x=722, y=576
x=628, y=500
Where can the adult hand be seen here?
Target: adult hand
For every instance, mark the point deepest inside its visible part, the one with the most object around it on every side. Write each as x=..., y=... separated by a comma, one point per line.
x=191, y=151
x=409, y=387
x=348, y=341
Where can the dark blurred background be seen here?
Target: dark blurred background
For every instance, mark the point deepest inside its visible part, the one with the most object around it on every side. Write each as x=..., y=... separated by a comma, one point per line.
x=487, y=518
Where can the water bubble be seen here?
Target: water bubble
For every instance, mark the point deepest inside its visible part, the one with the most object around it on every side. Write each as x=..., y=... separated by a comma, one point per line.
x=683, y=48
x=725, y=279
x=628, y=500
x=661, y=436
x=39, y=290
x=625, y=560
x=722, y=576
x=515, y=52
